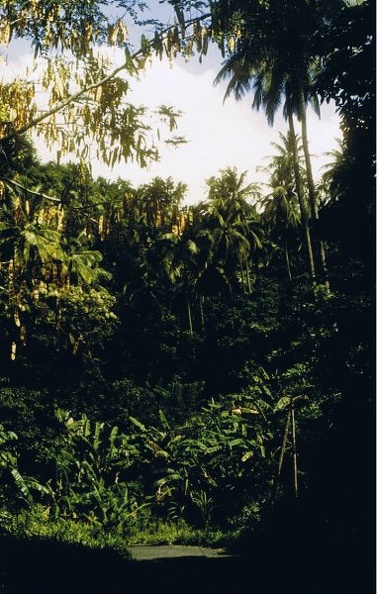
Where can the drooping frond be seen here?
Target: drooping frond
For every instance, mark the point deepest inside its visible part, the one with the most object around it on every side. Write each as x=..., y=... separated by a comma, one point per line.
x=237, y=69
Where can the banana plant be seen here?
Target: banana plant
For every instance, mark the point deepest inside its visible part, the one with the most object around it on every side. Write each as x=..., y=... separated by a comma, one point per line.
x=13, y=483
x=202, y=464
x=93, y=482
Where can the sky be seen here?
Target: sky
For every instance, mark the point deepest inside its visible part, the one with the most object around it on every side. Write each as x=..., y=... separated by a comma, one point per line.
x=219, y=133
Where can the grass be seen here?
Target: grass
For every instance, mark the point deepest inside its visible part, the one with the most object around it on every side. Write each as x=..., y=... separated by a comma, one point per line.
x=160, y=532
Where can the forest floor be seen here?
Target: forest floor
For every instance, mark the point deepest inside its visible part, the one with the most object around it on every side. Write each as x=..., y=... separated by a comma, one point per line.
x=176, y=569
x=34, y=566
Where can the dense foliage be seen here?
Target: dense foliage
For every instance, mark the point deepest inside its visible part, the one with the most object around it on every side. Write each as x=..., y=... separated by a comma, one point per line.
x=192, y=373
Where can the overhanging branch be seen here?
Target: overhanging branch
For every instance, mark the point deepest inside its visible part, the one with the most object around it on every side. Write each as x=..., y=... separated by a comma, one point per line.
x=148, y=45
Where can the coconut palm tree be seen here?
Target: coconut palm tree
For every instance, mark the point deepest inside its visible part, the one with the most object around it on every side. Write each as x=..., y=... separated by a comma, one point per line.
x=280, y=164
x=280, y=207
x=234, y=224
x=274, y=57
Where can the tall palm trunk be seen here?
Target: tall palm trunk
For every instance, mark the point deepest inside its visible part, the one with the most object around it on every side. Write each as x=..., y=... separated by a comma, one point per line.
x=287, y=258
x=247, y=267
x=294, y=451
x=242, y=276
x=300, y=195
x=201, y=304
x=189, y=313
x=245, y=275
x=282, y=452
x=312, y=192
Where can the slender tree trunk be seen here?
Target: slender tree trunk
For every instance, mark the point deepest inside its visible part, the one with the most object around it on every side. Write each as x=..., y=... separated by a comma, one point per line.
x=189, y=317
x=248, y=276
x=242, y=273
x=201, y=304
x=282, y=451
x=300, y=195
x=288, y=264
x=245, y=275
x=312, y=191
x=294, y=452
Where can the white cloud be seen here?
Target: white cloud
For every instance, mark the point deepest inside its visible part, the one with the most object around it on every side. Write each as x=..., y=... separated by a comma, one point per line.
x=219, y=134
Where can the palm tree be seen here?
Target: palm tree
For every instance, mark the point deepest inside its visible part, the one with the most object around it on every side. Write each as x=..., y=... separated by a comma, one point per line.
x=182, y=268
x=214, y=247
x=274, y=57
x=233, y=223
x=329, y=169
x=280, y=164
x=280, y=209
x=313, y=199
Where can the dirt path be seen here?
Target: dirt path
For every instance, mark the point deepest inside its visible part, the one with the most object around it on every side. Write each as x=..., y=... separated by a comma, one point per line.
x=176, y=569
x=151, y=553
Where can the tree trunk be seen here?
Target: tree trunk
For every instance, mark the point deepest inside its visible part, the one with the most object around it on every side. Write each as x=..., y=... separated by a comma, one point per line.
x=242, y=274
x=201, y=304
x=288, y=264
x=294, y=451
x=312, y=192
x=248, y=276
x=189, y=317
x=282, y=451
x=300, y=195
